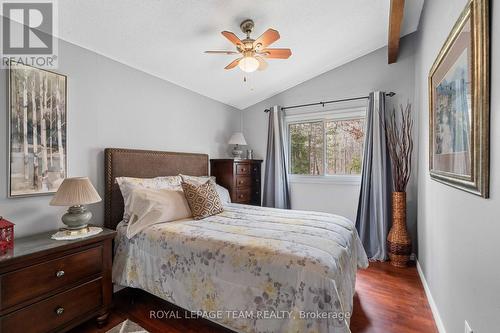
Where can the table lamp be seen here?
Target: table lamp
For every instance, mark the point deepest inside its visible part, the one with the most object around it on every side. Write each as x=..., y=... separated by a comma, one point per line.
x=237, y=139
x=75, y=193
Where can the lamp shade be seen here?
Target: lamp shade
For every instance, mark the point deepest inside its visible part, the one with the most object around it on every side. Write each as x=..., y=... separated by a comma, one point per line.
x=237, y=139
x=74, y=192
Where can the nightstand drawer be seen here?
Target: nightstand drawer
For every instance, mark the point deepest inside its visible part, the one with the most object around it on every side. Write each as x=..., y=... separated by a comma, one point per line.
x=242, y=169
x=243, y=181
x=56, y=311
x=34, y=281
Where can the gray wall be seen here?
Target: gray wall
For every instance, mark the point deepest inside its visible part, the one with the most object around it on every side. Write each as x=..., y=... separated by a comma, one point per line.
x=458, y=232
x=357, y=78
x=113, y=105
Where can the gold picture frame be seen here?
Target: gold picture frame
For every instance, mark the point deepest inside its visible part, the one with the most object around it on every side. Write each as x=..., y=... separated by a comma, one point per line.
x=459, y=102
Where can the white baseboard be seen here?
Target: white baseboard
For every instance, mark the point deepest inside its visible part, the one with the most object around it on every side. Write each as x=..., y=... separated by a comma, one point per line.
x=432, y=304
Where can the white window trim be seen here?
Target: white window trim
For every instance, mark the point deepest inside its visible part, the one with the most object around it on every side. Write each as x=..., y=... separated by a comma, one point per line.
x=326, y=179
x=340, y=111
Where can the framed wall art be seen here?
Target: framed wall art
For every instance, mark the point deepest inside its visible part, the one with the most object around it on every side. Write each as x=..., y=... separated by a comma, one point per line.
x=459, y=104
x=37, y=131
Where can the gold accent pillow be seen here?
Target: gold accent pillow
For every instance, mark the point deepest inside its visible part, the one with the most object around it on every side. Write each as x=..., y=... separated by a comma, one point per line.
x=203, y=199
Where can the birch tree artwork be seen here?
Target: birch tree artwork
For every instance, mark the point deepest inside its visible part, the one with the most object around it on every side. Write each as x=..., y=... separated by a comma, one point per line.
x=37, y=130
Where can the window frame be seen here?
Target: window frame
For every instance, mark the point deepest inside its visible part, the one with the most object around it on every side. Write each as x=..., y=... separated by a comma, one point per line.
x=352, y=110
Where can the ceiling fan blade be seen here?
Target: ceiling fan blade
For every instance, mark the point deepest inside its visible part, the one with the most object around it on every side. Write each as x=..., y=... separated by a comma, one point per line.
x=221, y=52
x=232, y=37
x=276, y=53
x=262, y=63
x=267, y=38
x=233, y=63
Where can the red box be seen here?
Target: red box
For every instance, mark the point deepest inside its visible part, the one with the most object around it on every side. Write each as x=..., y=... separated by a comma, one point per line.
x=6, y=235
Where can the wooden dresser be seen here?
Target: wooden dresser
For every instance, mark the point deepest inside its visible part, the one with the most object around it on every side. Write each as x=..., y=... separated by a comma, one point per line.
x=52, y=286
x=242, y=178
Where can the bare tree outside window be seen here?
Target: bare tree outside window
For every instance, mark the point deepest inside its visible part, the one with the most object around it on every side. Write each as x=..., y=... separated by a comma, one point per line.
x=327, y=147
x=306, y=150
x=344, y=146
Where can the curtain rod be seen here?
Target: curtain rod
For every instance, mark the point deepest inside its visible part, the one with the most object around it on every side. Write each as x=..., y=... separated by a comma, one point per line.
x=390, y=94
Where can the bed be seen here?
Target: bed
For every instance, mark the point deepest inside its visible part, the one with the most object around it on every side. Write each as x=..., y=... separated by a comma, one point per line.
x=250, y=269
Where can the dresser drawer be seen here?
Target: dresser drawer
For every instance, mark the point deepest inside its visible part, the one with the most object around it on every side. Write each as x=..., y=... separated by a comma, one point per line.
x=30, y=282
x=56, y=311
x=255, y=197
x=243, y=181
x=255, y=169
x=243, y=195
x=242, y=169
x=242, y=178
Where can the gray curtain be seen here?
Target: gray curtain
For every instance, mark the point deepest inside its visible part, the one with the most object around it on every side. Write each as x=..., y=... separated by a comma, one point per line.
x=276, y=186
x=374, y=218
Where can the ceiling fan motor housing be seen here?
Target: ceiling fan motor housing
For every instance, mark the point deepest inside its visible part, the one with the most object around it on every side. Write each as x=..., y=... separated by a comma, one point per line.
x=247, y=27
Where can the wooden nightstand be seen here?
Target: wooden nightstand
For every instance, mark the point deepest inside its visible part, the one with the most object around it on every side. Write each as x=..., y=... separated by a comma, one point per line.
x=51, y=286
x=242, y=178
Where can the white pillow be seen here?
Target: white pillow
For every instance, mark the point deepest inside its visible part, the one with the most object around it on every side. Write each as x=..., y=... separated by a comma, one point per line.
x=150, y=206
x=199, y=180
x=128, y=184
x=223, y=194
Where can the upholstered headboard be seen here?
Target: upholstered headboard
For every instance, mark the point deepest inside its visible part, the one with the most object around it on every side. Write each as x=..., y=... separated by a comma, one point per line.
x=120, y=162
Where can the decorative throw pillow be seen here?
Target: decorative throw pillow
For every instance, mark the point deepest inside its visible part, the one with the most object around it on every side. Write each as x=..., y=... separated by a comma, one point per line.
x=202, y=199
x=198, y=180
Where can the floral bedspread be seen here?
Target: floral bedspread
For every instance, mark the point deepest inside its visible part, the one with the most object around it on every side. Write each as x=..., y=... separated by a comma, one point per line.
x=251, y=269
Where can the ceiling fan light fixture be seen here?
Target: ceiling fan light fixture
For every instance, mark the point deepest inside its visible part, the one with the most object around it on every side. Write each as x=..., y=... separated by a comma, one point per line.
x=248, y=64
x=253, y=52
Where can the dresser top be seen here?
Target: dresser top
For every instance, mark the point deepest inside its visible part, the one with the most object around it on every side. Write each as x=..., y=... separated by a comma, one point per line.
x=42, y=244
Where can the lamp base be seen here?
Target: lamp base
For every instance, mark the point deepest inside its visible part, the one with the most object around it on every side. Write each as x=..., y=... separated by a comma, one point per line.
x=76, y=218
x=237, y=152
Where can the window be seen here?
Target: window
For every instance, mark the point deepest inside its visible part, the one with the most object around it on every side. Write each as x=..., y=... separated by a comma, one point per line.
x=326, y=143
x=344, y=146
x=307, y=148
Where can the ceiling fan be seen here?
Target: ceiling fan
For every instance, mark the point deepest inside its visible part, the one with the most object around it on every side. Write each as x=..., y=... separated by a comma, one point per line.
x=253, y=52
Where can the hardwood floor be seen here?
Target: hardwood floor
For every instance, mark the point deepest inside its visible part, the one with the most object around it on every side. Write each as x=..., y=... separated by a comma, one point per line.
x=387, y=300
x=390, y=299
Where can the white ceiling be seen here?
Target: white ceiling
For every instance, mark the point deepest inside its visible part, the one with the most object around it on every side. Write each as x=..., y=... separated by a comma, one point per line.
x=167, y=38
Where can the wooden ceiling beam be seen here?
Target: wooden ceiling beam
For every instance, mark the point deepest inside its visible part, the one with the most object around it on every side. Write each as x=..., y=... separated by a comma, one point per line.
x=395, y=22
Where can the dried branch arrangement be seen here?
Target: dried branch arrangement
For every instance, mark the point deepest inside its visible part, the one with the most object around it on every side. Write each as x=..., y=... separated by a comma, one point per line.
x=400, y=143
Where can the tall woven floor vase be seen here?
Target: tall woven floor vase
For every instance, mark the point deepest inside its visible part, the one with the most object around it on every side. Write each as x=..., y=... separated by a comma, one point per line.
x=398, y=240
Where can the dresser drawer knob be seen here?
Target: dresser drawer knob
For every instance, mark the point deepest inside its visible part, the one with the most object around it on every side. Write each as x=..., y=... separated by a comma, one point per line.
x=59, y=311
x=60, y=273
